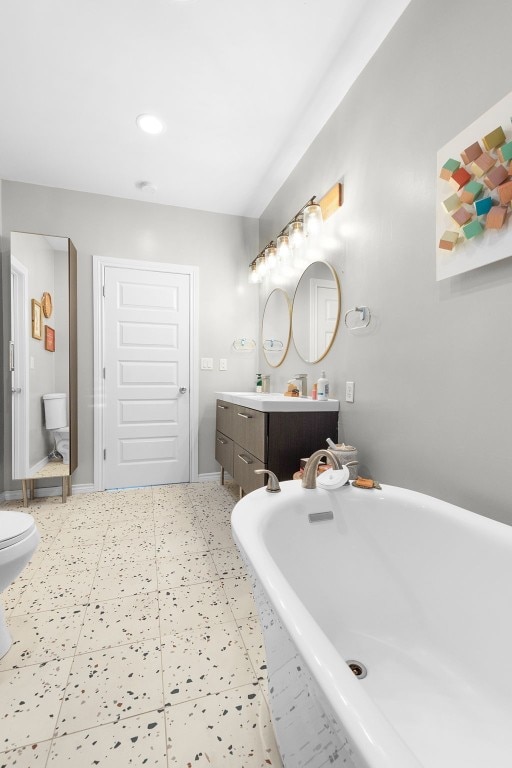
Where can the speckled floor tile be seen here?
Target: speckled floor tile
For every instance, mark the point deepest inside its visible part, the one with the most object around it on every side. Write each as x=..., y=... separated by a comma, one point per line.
x=133, y=741
x=82, y=537
x=55, y=590
x=193, y=568
x=228, y=562
x=41, y=637
x=115, y=622
x=30, y=699
x=203, y=662
x=239, y=594
x=253, y=641
x=193, y=606
x=108, y=685
x=11, y=596
x=131, y=529
x=180, y=542
x=175, y=523
x=230, y=729
x=218, y=536
x=25, y=757
x=124, y=579
x=127, y=551
x=82, y=558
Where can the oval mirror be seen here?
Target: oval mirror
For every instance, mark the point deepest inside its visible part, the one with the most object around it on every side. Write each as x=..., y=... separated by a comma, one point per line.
x=275, y=327
x=316, y=311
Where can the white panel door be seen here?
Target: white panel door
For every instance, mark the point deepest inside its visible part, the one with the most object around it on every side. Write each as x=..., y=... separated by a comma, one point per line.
x=147, y=375
x=324, y=315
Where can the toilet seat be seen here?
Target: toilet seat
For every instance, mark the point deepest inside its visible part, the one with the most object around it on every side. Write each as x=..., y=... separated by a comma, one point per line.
x=14, y=527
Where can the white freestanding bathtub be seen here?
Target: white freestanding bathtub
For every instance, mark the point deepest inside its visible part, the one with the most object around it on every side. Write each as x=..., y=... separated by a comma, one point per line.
x=416, y=590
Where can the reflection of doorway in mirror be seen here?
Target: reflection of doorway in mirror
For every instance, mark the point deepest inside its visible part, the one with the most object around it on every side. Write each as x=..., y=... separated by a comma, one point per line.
x=324, y=315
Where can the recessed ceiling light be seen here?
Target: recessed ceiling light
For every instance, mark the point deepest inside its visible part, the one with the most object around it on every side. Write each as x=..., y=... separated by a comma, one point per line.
x=150, y=124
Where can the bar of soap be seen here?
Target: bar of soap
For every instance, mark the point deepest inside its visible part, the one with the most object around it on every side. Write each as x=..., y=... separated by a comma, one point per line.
x=363, y=482
x=496, y=217
x=496, y=176
x=505, y=152
x=471, y=153
x=472, y=190
x=449, y=240
x=448, y=168
x=494, y=138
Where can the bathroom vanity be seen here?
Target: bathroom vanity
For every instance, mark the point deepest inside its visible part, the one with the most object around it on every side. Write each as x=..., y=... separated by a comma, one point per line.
x=269, y=431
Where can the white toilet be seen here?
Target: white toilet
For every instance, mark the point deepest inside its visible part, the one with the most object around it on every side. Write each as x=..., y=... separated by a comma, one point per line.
x=56, y=421
x=19, y=538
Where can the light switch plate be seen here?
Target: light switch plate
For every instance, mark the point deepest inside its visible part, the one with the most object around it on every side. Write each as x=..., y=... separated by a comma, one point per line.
x=207, y=363
x=349, y=391
x=223, y=364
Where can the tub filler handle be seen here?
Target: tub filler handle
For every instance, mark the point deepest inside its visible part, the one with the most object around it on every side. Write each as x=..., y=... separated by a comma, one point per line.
x=273, y=483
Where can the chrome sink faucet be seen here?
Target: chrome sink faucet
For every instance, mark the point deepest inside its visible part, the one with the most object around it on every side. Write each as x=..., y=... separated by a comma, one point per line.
x=311, y=468
x=303, y=378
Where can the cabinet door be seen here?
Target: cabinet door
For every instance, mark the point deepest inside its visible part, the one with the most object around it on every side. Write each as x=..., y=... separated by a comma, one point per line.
x=224, y=452
x=225, y=417
x=244, y=464
x=250, y=431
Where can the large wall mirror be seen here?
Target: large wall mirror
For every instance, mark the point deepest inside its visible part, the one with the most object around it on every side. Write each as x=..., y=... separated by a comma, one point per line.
x=43, y=359
x=316, y=311
x=276, y=327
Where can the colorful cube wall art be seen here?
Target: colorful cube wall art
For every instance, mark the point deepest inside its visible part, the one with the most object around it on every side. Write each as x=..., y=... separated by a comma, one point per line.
x=496, y=176
x=496, y=217
x=483, y=206
x=471, y=153
x=471, y=191
x=448, y=168
x=475, y=194
x=449, y=240
x=461, y=216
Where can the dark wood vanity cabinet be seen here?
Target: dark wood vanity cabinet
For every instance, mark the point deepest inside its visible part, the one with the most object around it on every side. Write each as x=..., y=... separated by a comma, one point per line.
x=247, y=439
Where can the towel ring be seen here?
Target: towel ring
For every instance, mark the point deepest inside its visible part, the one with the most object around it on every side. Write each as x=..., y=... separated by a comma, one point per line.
x=365, y=317
x=244, y=344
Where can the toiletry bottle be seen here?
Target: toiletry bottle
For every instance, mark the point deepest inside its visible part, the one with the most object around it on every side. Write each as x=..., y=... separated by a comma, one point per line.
x=314, y=392
x=259, y=382
x=322, y=387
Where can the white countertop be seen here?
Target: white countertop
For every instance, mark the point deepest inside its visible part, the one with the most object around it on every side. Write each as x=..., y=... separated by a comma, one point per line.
x=275, y=402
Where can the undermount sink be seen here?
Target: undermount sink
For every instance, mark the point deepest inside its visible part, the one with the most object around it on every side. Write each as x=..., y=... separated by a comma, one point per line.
x=275, y=401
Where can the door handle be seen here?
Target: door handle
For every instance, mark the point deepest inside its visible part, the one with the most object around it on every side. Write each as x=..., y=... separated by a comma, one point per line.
x=244, y=415
x=16, y=390
x=182, y=390
x=244, y=459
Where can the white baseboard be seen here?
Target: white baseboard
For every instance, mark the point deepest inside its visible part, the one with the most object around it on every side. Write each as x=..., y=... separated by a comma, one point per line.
x=208, y=477
x=37, y=467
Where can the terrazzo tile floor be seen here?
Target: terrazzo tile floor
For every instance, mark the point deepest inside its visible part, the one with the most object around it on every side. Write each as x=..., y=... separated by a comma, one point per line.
x=136, y=641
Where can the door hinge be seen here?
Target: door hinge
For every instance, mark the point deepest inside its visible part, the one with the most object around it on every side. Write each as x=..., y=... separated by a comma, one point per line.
x=104, y=373
x=104, y=454
x=103, y=290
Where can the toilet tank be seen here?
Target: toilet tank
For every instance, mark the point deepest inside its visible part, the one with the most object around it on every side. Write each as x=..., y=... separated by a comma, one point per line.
x=55, y=410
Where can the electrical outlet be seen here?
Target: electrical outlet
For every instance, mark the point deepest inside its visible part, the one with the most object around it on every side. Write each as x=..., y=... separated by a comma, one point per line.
x=349, y=391
x=207, y=363
x=223, y=364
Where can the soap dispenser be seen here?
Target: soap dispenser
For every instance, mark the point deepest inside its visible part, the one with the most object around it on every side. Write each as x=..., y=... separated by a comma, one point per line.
x=322, y=387
x=259, y=383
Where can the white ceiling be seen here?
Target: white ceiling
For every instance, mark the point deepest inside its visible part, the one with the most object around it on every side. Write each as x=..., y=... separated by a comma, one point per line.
x=243, y=87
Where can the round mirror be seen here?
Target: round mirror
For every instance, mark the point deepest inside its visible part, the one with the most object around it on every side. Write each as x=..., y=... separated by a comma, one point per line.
x=316, y=311
x=275, y=328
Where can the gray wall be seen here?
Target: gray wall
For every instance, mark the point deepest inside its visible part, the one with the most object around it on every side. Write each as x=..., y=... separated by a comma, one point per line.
x=433, y=372
x=218, y=244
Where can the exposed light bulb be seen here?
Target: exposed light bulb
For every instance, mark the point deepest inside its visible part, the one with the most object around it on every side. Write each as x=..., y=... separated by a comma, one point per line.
x=312, y=219
x=271, y=256
x=296, y=233
x=284, y=252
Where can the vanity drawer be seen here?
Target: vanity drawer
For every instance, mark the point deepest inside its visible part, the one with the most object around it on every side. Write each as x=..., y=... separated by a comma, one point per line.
x=244, y=464
x=250, y=431
x=225, y=417
x=224, y=452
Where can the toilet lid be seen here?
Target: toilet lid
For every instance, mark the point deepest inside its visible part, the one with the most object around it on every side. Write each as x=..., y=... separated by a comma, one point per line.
x=14, y=526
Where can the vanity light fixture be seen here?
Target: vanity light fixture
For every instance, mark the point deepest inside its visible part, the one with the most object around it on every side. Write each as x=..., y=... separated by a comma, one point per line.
x=307, y=222
x=150, y=124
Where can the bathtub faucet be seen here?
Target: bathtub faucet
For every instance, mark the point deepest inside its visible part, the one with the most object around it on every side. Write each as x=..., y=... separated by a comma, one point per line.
x=311, y=468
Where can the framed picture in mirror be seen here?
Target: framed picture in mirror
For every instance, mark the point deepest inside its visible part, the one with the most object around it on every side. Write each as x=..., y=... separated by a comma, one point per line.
x=49, y=338
x=36, y=319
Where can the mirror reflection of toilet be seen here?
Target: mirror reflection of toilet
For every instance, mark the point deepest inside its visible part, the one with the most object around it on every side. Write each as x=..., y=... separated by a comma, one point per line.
x=18, y=541
x=56, y=422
